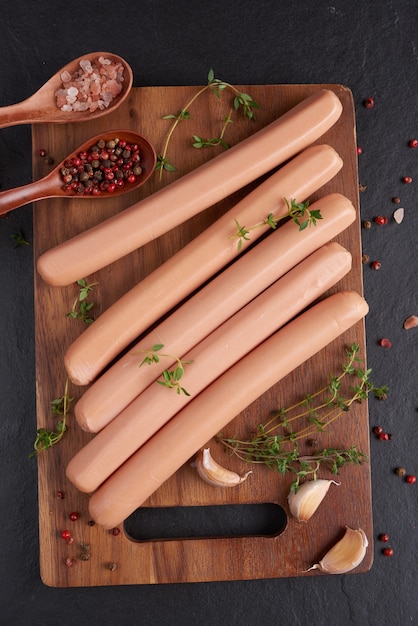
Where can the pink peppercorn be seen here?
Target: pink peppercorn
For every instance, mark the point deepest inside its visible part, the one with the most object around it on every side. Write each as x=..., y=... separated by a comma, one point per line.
x=407, y=180
x=369, y=103
x=376, y=265
x=413, y=143
x=410, y=479
x=385, y=343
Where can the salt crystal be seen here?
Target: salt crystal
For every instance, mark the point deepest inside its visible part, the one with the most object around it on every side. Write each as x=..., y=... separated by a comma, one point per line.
x=398, y=215
x=86, y=66
x=94, y=85
x=410, y=322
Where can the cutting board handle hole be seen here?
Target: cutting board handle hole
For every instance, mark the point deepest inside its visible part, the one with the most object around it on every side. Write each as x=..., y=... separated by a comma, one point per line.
x=203, y=522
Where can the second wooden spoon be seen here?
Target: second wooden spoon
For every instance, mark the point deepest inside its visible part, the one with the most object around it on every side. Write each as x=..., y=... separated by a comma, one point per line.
x=52, y=185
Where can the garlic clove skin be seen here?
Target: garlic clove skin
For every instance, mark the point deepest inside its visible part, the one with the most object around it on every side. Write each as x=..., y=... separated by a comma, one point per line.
x=304, y=502
x=214, y=474
x=346, y=554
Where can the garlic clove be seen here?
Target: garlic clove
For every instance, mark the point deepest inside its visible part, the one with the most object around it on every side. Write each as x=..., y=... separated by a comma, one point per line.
x=304, y=502
x=214, y=474
x=346, y=554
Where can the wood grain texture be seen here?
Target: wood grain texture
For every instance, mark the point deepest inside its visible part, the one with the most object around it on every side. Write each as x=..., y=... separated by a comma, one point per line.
x=187, y=560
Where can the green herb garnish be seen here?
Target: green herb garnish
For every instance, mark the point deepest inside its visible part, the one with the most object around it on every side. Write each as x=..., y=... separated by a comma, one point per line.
x=241, y=101
x=297, y=211
x=276, y=441
x=47, y=438
x=81, y=306
x=170, y=378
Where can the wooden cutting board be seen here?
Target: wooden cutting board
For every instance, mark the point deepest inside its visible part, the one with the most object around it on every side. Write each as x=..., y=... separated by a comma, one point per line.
x=294, y=546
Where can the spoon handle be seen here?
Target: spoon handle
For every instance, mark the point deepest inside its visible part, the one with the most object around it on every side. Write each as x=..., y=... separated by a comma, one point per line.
x=19, y=113
x=14, y=198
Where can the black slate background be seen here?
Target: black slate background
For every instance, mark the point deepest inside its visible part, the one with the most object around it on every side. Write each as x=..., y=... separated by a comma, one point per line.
x=372, y=48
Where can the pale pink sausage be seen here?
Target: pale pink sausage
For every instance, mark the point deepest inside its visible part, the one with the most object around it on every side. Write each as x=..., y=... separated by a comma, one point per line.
x=208, y=308
x=187, y=196
x=210, y=358
x=189, y=268
x=218, y=404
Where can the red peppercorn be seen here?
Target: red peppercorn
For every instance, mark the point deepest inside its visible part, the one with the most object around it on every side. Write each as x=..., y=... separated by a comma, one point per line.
x=396, y=199
x=74, y=516
x=60, y=495
x=385, y=343
x=387, y=551
x=66, y=534
x=359, y=150
x=407, y=180
x=384, y=537
x=376, y=265
x=411, y=479
x=69, y=562
x=115, y=531
x=384, y=436
x=369, y=103
x=381, y=219
x=131, y=178
x=413, y=143
x=42, y=152
x=377, y=430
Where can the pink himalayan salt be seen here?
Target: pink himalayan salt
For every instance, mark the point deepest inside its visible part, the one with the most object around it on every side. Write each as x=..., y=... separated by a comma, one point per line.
x=92, y=87
x=410, y=322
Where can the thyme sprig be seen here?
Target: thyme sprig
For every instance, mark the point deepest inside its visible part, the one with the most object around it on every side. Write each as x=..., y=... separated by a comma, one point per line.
x=47, y=438
x=276, y=441
x=241, y=101
x=170, y=378
x=19, y=239
x=297, y=211
x=81, y=306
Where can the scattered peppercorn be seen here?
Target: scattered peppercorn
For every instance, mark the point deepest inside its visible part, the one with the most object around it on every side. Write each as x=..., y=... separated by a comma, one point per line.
x=376, y=265
x=91, y=522
x=381, y=219
x=113, y=567
x=369, y=103
x=115, y=531
x=359, y=150
x=407, y=179
x=396, y=200
x=74, y=516
x=69, y=562
x=413, y=143
x=384, y=537
x=312, y=442
x=60, y=495
x=387, y=551
x=377, y=430
x=367, y=224
x=411, y=479
x=66, y=534
x=49, y=160
x=384, y=436
x=385, y=343
x=365, y=258
x=42, y=152
x=400, y=471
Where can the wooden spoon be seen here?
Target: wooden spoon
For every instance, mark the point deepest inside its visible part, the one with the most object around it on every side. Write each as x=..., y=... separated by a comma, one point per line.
x=41, y=107
x=51, y=186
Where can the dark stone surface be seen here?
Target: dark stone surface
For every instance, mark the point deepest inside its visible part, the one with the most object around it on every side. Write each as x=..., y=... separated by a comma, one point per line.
x=372, y=50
